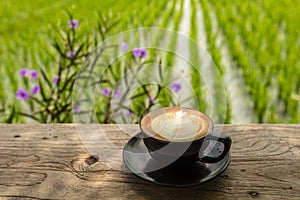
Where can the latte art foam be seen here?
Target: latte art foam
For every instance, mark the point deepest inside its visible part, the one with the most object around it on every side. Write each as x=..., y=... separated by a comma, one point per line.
x=176, y=124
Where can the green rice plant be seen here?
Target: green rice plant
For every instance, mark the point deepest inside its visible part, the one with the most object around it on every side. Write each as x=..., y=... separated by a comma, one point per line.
x=195, y=58
x=256, y=84
x=169, y=61
x=173, y=40
x=222, y=112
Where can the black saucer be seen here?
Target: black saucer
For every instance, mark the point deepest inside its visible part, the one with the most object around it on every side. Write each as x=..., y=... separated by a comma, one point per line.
x=138, y=161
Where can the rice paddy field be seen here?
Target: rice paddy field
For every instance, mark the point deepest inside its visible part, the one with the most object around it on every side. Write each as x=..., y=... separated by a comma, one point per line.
x=255, y=45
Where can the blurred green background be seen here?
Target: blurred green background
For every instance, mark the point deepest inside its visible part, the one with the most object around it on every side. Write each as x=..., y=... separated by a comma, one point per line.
x=254, y=42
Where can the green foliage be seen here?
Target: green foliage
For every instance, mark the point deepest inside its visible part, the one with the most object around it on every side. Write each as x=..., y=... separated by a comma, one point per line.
x=263, y=38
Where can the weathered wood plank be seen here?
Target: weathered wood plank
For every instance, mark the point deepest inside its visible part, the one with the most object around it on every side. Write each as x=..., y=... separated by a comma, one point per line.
x=50, y=162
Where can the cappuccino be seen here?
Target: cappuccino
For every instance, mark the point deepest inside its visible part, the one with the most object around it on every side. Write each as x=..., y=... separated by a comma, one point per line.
x=176, y=124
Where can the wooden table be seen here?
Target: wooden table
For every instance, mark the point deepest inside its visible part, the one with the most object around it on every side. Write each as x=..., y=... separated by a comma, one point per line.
x=50, y=162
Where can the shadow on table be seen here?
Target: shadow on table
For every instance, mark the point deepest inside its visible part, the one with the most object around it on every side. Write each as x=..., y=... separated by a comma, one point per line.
x=147, y=190
x=151, y=191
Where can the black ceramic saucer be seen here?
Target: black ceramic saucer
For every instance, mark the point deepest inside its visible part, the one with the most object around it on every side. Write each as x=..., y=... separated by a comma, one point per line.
x=139, y=162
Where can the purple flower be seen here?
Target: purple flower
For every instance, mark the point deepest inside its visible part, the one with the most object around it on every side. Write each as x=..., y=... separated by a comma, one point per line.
x=106, y=91
x=24, y=72
x=124, y=46
x=129, y=113
x=139, y=53
x=34, y=74
x=77, y=109
x=55, y=79
x=35, y=89
x=70, y=54
x=152, y=98
x=22, y=94
x=73, y=24
x=176, y=87
x=118, y=94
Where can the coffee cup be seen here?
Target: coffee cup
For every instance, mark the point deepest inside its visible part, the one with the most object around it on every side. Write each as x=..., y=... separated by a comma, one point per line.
x=179, y=136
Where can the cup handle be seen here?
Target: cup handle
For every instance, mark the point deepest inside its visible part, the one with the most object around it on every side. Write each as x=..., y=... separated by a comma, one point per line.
x=226, y=140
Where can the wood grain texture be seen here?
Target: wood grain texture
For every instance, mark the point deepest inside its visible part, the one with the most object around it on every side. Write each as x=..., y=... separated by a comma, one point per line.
x=49, y=161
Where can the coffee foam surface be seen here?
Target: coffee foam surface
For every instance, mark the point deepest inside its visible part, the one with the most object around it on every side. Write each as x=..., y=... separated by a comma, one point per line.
x=178, y=124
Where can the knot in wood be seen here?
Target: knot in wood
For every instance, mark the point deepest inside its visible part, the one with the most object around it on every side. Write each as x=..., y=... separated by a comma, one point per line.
x=91, y=160
x=253, y=193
